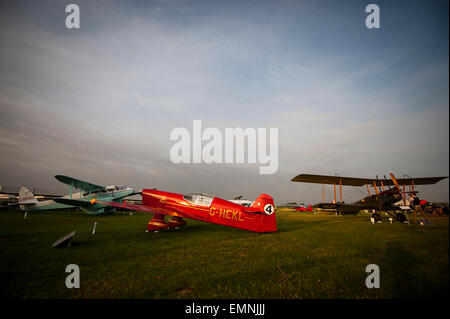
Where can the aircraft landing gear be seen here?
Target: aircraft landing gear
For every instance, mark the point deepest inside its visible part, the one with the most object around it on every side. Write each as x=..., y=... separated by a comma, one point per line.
x=400, y=217
x=376, y=217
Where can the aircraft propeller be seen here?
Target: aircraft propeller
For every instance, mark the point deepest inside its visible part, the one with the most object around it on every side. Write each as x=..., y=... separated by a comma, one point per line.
x=403, y=193
x=394, y=180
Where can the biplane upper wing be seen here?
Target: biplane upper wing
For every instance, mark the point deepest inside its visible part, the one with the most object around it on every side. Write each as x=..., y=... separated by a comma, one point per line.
x=78, y=183
x=355, y=181
x=419, y=180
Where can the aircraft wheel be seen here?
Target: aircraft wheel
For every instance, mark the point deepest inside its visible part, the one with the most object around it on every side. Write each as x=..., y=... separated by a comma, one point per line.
x=401, y=217
x=376, y=216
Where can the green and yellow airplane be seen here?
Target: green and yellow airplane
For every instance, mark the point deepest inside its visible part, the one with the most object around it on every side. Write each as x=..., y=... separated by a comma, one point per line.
x=83, y=198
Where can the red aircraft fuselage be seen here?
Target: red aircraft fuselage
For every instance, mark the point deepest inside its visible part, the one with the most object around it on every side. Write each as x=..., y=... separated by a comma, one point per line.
x=304, y=209
x=259, y=217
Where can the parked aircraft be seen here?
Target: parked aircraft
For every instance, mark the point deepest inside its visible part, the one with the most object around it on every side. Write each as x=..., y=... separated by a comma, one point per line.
x=240, y=201
x=302, y=208
x=28, y=202
x=384, y=198
x=297, y=207
x=259, y=217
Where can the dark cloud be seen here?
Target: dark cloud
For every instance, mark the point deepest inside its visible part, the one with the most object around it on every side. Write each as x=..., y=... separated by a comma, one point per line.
x=99, y=103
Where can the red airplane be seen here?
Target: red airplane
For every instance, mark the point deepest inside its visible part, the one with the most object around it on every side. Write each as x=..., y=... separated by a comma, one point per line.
x=304, y=209
x=259, y=217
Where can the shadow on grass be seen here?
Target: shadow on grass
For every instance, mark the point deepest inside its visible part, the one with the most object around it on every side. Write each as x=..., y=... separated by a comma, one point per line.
x=409, y=277
x=295, y=225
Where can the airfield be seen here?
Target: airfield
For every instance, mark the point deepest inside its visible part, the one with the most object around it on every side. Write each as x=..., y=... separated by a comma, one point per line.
x=310, y=256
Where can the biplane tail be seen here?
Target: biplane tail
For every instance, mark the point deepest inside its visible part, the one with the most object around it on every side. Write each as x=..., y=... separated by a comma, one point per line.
x=26, y=197
x=265, y=203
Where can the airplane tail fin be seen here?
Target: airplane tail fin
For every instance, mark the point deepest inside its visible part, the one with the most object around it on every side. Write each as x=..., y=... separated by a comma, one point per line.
x=26, y=197
x=265, y=203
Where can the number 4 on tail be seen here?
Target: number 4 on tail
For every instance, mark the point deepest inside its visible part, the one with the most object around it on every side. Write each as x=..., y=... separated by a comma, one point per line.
x=269, y=209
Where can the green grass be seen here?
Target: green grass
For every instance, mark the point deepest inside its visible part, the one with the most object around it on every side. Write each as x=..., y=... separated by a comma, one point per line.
x=310, y=256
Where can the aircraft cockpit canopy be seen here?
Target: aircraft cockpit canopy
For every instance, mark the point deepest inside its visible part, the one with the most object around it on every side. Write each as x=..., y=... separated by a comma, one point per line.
x=199, y=198
x=115, y=188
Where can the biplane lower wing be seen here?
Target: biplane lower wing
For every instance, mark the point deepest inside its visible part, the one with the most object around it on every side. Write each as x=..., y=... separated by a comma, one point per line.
x=147, y=209
x=86, y=206
x=139, y=208
x=342, y=208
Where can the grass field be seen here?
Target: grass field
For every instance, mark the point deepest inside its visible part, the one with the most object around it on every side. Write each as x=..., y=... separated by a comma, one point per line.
x=310, y=256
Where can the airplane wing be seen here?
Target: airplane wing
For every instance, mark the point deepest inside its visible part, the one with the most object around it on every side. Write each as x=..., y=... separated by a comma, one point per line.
x=146, y=209
x=419, y=180
x=338, y=206
x=85, y=203
x=78, y=183
x=71, y=202
x=355, y=181
x=139, y=208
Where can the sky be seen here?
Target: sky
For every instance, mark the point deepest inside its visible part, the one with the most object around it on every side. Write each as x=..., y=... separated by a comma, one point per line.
x=98, y=103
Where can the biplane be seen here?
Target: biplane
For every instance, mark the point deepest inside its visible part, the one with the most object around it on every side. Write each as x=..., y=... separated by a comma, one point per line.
x=387, y=193
x=259, y=217
x=81, y=198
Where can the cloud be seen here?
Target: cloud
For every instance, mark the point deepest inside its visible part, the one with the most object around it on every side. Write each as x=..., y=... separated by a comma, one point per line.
x=100, y=103
x=158, y=104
